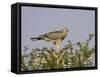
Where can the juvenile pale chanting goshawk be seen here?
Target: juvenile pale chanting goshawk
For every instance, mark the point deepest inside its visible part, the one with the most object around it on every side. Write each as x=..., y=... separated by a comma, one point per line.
x=56, y=37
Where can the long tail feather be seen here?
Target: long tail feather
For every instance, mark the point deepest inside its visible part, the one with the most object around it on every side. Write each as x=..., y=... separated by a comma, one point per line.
x=35, y=38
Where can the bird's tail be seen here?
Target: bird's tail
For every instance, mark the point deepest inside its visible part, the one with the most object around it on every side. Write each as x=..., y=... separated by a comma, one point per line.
x=35, y=38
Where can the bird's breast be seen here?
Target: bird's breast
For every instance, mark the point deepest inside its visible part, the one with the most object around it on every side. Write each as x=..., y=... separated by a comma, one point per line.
x=64, y=36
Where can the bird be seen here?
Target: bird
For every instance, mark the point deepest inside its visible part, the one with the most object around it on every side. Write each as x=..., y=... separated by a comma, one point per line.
x=56, y=37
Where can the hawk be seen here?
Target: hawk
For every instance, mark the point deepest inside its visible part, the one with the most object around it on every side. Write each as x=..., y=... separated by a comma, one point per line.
x=56, y=37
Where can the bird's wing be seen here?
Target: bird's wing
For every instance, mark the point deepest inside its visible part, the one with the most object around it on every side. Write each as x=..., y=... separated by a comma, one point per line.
x=54, y=35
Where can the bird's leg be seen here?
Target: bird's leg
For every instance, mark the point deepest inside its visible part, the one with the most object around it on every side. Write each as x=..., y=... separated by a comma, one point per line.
x=57, y=45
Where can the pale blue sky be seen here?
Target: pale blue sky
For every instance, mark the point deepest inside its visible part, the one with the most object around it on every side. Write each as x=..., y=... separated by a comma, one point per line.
x=38, y=20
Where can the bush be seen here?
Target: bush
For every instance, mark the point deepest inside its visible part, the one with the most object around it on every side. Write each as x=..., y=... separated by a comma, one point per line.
x=68, y=57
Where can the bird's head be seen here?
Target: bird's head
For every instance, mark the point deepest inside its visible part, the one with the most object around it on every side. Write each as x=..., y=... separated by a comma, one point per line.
x=65, y=29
